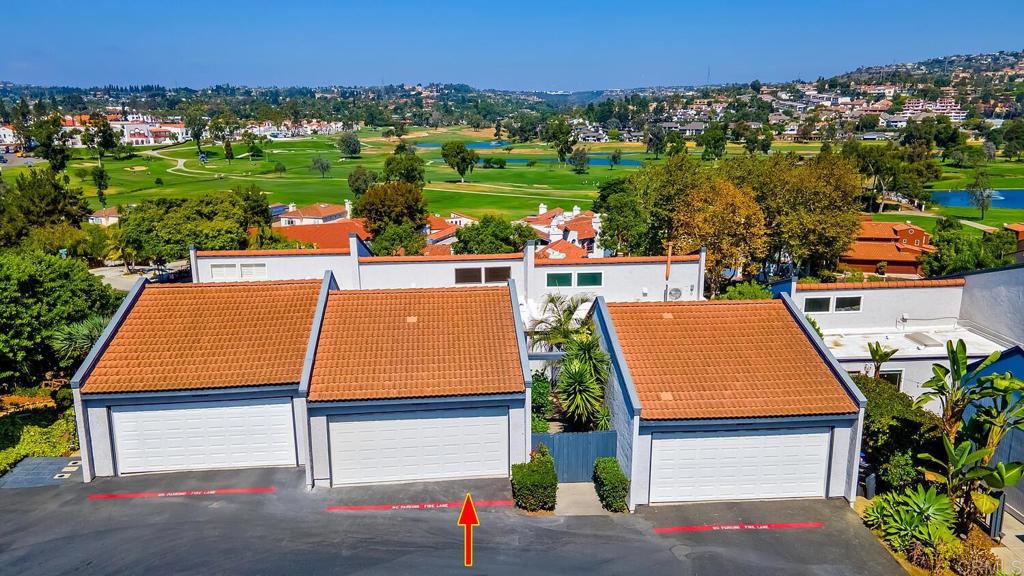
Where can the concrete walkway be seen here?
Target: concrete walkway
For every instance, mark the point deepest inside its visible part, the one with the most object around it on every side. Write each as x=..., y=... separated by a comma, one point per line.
x=1011, y=553
x=578, y=499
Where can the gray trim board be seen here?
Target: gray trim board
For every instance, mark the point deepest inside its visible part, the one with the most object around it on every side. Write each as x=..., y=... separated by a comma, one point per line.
x=823, y=351
x=193, y=262
x=197, y=395
x=747, y=423
x=108, y=333
x=326, y=286
x=384, y=402
x=524, y=361
x=546, y=356
x=604, y=321
x=701, y=272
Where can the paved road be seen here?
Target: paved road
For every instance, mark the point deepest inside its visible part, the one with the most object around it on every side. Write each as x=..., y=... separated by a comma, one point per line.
x=58, y=530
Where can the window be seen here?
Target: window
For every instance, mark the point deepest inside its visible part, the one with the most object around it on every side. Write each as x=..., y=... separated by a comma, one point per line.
x=917, y=242
x=589, y=278
x=895, y=377
x=817, y=304
x=222, y=271
x=467, y=276
x=254, y=271
x=848, y=304
x=497, y=274
x=559, y=279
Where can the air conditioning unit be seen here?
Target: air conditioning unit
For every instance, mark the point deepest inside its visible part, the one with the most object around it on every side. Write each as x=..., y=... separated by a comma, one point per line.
x=675, y=294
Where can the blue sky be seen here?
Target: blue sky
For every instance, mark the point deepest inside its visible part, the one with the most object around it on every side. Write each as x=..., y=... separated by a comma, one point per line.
x=521, y=44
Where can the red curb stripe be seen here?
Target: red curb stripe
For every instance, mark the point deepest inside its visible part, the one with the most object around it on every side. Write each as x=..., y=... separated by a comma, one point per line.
x=713, y=527
x=418, y=506
x=207, y=492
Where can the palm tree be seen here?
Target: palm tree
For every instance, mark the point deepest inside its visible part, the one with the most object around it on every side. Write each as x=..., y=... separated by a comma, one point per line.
x=880, y=355
x=74, y=340
x=561, y=318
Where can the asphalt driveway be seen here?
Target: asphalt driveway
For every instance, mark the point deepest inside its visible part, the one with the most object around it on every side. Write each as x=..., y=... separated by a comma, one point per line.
x=265, y=522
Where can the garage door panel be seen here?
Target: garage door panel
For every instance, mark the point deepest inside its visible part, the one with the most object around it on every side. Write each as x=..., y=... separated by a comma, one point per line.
x=739, y=465
x=204, y=435
x=419, y=445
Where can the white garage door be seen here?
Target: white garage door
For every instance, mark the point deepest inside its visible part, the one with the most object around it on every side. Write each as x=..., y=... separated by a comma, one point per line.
x=204, y=435
x=747, y=465
x=426, y=445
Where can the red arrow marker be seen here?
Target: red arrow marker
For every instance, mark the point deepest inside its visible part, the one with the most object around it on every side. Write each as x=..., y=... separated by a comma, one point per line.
x=468, y=519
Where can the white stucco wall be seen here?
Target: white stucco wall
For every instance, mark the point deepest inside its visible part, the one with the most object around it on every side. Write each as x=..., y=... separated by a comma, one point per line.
x=632, y=282
x=994, y=301
x=882, y=308
x=293, y=267
x=428, y=273
x=916, y=372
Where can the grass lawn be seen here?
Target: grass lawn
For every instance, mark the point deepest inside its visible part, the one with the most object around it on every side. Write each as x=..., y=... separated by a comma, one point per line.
x=1004, y=174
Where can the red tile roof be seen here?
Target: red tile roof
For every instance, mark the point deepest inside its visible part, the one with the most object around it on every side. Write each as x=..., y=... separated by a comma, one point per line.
x=617, y=260
x=219, y=335
x=443, y=233
x=417, y=343
x=437, y=250
x=315, y=211
x=882, y=285
x=274, y=252
x=108, y=212
x=382, y=259
x=881, y=251
x=545, y=218
x=724, y=359
x=565, y=248
x=436, y=222
x=583, y=226
x=330, y=235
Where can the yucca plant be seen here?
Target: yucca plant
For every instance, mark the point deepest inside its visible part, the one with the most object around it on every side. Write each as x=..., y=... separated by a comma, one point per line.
x=586, y=347
x=73, y=341
x=579, y=393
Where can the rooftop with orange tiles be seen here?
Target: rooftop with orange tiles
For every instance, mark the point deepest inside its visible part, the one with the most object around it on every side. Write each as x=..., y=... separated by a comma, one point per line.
x=217, y=335
x=724, y=359
x=417, y=343
x=881, y=285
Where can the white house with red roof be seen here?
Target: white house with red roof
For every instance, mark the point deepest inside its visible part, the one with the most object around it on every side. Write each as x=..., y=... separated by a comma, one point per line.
x=578, y=227
x=105, y=216
x=321, y=213
x=7, y=134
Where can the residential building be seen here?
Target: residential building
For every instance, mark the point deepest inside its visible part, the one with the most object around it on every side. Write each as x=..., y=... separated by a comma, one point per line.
x=728, y=400
x=7, y=134
x=898, y=245
x=105, y=216
x=579, y=227
x=321, y=213
x=332, y=235
x=916, y=318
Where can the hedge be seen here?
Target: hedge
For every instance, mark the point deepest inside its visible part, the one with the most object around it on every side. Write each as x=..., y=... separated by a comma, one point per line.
x=540, y=395
x=57, y=439
x=611, y=484
x=535, y=483
x=538, y=424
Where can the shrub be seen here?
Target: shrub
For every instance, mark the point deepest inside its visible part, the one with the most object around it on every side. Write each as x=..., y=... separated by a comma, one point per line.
x=881, y=267
x=854, y=276
x=279, y=167
x=874, y=278
x=56, y=439
x=611, y=484
x=922, y=516
x=538, y=424
x=899, y=471
x=892, y=425
x=64, y=398
x=535, y=483
x=541, y=395
x=975, y=558
x=159, y=181
x=745, y=291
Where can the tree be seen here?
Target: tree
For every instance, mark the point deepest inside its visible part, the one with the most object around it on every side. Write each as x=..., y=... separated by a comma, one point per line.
x=989, y=149
x=73, y=341
x=558, y=133
x=954, y=387
x=959, y=251
x=349, y=144
x=101, y=180
x=360, y=179
x=51, y=141
x=713, y=141
x=580, y=160
x=745, y=291
x=399, y=240
x=979, y=191
x=727, y=221
x=655, y=139
x=561, y=318
x=193, y=116
x=879, y=356
x=392, y=203
x=318, y=164
x=40, y=294
x=405, y=167
x=459, y=158
x=624, y=224
x=615, y=158
x=492, y=235
x=38, y=198
x=229, y=153
x=579, y=393
x=99, y=136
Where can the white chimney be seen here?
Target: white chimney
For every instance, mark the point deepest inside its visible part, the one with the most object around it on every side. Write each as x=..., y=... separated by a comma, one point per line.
x=292, y=207
x=542, y=208
x=348, y=208
x=575, y=210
